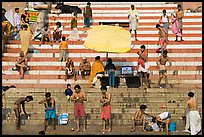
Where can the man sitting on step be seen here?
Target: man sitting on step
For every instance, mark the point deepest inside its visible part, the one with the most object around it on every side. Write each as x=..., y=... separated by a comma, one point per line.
x=139, y=118
x=22, y=64
x=97, y=71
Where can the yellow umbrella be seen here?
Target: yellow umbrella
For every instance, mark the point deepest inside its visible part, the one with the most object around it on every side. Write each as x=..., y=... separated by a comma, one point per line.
x=106, y=38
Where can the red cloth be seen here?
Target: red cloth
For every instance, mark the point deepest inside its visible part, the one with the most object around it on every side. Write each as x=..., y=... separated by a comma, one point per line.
x=79, y=110
x=105, y=112
x=142, y=61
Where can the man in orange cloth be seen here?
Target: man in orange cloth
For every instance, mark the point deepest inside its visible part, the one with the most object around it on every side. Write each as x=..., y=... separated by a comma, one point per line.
x=97, y=71
x=106, y=108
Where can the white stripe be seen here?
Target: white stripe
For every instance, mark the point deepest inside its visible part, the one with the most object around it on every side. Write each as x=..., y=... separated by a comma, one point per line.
x=143, y=31
x=62, y=72
x=124, y=13
x=60, y=81
x=123, y=20
x=103, y=54
x=140, y=26
x=116, y=4
x=153, y=46
x=116, y=63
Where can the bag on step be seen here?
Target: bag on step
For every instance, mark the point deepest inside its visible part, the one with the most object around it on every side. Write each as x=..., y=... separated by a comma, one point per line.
x=63, y=119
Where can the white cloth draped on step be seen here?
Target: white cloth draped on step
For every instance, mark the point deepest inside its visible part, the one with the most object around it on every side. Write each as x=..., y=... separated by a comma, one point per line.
x=74, y=35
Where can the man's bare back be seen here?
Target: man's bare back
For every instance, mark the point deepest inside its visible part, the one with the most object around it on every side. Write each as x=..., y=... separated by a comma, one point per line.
x=192, y=104
x=20, y=101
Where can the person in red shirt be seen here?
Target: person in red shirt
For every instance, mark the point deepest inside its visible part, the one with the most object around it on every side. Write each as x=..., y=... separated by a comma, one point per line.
x=142, y=65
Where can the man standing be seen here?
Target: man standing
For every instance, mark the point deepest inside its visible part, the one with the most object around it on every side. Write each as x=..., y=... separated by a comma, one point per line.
x=133, y=16
x=17, y=109
x=79, y=97
x=161, y=65
x=179, y=16
x=50, y=110
x=162, y=37
x=85, y=67
x=194, y=116
x=63, y=47
x=106, y=108
x=17, y=23
x=97, y=71
x=142, y=65
x=87, y=15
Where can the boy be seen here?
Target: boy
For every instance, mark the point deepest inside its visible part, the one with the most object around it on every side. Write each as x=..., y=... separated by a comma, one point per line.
x=106, y=108
x=63, y=46
x=68, y=92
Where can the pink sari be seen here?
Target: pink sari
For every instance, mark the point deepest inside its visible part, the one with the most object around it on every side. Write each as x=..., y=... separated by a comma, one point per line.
x=175, y=26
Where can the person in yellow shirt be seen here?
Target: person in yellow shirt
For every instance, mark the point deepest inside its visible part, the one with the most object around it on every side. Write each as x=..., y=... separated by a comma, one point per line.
x=97, y=71
x=63, y=46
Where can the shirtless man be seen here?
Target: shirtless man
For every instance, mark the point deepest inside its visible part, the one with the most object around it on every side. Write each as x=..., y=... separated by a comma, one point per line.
x=17, y=109
x=179, y=16
x=106, y=108
x=194, y=116
x=162, y=37
x=139, y=118
x=22, y=64
x=161, y=65
x=50, y=110
x=79, y=97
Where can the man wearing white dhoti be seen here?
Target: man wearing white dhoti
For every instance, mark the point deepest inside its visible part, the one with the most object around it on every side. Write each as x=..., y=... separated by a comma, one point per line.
x=194, y=116
x=133, y=16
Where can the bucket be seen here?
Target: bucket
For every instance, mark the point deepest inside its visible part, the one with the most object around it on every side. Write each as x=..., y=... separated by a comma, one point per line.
x=172, y=126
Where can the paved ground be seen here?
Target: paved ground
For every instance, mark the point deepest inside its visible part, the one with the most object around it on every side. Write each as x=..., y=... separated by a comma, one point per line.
x=9, y=129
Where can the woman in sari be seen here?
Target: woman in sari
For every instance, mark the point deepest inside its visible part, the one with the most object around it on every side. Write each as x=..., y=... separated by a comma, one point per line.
x=175, y=25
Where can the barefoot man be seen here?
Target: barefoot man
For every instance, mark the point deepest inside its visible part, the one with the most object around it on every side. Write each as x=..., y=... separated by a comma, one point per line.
x=161, y=65
x=79, y=97
x=17, y=109
x=162, y=37
x=50, y=110
x=106, y=108
x=194, y=116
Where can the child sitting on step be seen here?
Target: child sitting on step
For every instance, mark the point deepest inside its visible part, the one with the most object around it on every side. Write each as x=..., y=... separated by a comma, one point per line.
x=68, y=92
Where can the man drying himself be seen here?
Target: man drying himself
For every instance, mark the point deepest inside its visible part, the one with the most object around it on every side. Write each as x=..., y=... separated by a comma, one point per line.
x=194, y=116
x=79, y=97
x=17, y=109
x=106, y=108
x=50, y=110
